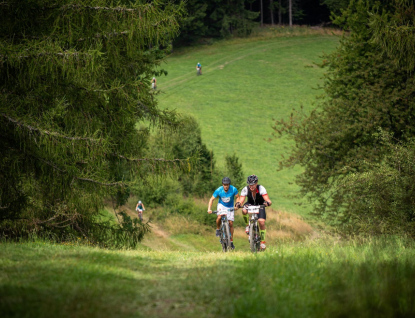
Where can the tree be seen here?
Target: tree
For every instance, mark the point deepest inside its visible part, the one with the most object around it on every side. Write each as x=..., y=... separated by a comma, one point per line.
x=193, y=26
x=74, y=78
x=234, y=171
x=336, y=6
x=226, y=18
x=366, y=88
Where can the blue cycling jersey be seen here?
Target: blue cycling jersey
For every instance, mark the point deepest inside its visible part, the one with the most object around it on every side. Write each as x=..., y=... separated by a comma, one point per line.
x=226, y=198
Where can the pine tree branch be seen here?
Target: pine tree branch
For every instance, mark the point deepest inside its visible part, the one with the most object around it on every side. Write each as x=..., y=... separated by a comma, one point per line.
x=148, y=159
x=116, y=9
x=45, y=132
x=101, y=183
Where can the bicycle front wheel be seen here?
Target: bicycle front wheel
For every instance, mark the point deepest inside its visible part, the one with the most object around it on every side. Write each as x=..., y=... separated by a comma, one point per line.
x=254, y=240
x=226, y=237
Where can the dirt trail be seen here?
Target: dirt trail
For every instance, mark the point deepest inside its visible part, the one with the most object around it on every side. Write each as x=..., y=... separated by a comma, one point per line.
x=158, y=238
x=280, y=226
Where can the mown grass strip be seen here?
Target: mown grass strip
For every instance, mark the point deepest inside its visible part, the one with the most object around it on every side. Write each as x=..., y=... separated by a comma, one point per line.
x=321, y=278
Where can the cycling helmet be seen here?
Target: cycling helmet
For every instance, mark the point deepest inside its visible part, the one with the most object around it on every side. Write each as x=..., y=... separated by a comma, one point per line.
x=226, y=180
x=139, y=201
x=252, y=179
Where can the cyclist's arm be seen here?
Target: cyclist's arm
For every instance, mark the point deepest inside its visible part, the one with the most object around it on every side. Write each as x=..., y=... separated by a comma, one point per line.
x=240, y=201
x=143, y=206
x=266, y=198
x=210, y=204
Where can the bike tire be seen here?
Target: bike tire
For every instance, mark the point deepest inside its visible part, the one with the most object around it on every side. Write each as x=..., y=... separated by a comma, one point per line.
x=253, y=237
x=226, y=238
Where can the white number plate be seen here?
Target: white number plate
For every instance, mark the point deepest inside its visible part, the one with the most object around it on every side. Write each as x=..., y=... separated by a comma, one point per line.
x=224, y=211
x=253, y=209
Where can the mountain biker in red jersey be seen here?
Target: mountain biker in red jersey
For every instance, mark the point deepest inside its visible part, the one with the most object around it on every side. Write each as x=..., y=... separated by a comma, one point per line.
x=257, y=195
x=226, y=194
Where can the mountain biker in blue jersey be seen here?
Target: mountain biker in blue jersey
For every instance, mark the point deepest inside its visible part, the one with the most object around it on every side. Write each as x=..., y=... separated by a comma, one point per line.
x=199, y=68
x=226, y=194
x=257, y=195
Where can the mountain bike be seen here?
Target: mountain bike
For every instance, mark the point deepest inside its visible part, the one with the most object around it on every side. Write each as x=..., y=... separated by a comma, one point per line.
x=140, y=214
x=224, y=230
x=254, y=234
x=199, y=71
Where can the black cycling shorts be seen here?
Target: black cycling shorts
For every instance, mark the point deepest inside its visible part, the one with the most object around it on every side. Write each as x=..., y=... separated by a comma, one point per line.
x=262, y=214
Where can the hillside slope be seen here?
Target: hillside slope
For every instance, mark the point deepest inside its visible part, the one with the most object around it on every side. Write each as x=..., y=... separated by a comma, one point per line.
x=177, y=233
x=245, y=85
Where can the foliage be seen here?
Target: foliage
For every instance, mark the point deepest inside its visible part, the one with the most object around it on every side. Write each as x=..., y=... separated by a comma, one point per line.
x=384, y=194
x=364, y=90
x=193, y=25
x=185, y=141
x=336, y=6
x=74, y=80
x=234, y=171
x=216, y=19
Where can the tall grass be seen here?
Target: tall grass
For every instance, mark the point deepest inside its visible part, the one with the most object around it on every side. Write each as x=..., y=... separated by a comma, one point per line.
x=321, y=278
x=246, y=83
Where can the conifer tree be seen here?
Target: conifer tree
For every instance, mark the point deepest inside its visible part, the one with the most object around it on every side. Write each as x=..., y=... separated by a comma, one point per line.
x=74, y=80
x=369, y=85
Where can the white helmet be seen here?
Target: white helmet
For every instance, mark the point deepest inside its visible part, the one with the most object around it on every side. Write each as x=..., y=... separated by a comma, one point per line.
x=139, y=201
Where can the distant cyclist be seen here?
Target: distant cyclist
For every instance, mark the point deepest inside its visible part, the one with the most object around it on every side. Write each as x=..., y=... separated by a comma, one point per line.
x=226, y=194
x=257, y=195
x=140, y=208
x=154, y=83
x=199, y=68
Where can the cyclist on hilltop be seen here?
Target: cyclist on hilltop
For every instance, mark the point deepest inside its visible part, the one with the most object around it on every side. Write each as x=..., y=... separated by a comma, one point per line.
x=257, y=195
x=140, y=208
x=226, y=194
x=199, y=68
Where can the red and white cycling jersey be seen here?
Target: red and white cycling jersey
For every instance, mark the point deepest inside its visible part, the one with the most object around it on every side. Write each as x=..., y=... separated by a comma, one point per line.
x=259, y=195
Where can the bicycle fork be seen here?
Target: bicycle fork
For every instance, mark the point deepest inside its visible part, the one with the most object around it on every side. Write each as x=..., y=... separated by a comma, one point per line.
x=223, y=219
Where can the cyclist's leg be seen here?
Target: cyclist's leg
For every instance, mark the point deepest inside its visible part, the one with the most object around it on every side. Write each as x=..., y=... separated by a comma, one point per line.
x=231, y=218
x=262, y=230
x=245, y=216
x=218, y=222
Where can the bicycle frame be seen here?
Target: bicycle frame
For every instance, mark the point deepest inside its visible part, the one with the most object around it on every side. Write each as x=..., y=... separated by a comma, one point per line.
x=254, y=234
x=225, y=233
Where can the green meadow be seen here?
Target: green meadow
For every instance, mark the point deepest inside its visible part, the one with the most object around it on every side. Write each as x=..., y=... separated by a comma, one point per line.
x=245, y=85
x=319, y=278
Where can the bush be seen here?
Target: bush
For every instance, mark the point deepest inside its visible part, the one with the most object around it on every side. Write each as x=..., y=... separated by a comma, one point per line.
x=382, y=198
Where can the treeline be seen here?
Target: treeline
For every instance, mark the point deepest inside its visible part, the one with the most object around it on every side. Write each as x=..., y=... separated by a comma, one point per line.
x=219, y=19
x=357, y=148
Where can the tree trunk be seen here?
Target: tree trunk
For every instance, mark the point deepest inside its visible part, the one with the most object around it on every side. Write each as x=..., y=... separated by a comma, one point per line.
x=279, y=13
x=290, y=12
x=262, y=14
x=271, y=8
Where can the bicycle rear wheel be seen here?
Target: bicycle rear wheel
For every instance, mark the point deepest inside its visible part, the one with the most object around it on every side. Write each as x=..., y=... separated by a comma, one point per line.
x=226, y=238
x=254, y=241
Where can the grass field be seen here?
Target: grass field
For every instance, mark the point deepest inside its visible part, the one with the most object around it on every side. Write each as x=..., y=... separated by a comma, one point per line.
x=245, y=85
x=320, y=278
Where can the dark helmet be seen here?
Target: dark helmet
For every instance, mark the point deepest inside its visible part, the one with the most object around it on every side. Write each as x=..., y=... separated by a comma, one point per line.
x=252, y=179
x=226, y=180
